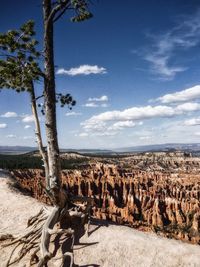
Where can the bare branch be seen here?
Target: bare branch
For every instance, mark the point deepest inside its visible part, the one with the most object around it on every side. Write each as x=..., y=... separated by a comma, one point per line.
x=61, y=13
x=38, y=97
x=56, y=9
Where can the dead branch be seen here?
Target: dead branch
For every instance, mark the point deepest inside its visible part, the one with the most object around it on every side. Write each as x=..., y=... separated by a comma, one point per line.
x=40, y=228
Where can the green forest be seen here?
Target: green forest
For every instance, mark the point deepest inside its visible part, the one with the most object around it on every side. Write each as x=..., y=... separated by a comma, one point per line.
x=29, y=161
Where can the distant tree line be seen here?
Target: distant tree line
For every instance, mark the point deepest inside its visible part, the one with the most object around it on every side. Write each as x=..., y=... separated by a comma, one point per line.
x=26, y=161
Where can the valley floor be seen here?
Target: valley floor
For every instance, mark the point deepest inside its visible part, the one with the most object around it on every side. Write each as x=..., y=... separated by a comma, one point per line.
x=107, y=246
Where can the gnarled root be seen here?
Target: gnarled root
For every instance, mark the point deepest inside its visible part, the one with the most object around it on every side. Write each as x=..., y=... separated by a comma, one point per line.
x=28, y=241
x=47, y=232
x=40, y=229
x=45, y=238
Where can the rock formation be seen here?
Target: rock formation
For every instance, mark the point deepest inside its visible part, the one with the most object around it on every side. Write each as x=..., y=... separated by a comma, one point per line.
x=167, y=203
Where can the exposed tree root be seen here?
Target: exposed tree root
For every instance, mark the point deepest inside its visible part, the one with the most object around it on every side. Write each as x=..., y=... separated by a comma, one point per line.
x=37, y=238
x=6, y=236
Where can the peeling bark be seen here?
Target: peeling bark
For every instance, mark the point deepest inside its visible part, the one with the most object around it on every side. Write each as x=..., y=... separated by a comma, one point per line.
x=50, y=105
x=39, y=135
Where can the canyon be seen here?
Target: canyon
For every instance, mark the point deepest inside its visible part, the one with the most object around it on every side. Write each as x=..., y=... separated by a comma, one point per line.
x=157, y=192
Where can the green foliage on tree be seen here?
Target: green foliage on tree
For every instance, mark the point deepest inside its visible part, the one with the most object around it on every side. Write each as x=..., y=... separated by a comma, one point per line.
x=29, y=161
x=19, y=62
x=20, y=68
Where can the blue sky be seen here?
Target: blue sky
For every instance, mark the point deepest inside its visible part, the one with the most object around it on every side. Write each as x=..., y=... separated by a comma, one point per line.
x=134, y=70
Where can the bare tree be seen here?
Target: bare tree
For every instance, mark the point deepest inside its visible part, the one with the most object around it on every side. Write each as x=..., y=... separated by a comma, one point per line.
x=19, y=70
x=52, y=12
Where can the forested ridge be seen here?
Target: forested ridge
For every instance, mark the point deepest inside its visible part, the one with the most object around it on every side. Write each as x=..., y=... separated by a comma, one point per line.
x=30, y=161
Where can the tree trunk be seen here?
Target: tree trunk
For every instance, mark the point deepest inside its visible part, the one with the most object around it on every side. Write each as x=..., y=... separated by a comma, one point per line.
x=50, y=106
x=39, y=136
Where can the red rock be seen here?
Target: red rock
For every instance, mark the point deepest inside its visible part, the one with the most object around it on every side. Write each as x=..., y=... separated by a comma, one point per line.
x=144, y=199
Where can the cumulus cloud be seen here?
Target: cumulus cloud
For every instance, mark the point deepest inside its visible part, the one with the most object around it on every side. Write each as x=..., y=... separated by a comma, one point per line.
x=187, y=107
x=98, y=99
x=3, y=125
x=122, y=124
x=105, y=133
x=181, y=96
x=184, y=35
x=9, y=114
x=83, y=70
x=135, y=113
x=68, y=114
x=92, y=125
x=129, y=117
x=27, y=126
x=91, y=105
x=94, y=102
x=95, y=105
x=28, y=118
x=192, y=122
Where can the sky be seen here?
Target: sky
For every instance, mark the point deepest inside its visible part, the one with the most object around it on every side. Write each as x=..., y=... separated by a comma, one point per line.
x=134, y=70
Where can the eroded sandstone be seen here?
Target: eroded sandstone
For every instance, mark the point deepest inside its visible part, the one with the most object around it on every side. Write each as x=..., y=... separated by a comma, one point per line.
x=165, y=202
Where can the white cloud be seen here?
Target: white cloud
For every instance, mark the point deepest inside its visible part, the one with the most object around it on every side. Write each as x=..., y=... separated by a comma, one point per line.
x=122, y=124
x=73, y=114
x=192, y=122
x=3, y=125
x=183, y=36
x=129, y=117
x=27, y=126
x=82, y=70
x=91, y=105
x=107, y=133
x=83, y=134
x=92, y=125
x=11, y=136
x=95, y=105
x=181, y=96
x=98, y=99
x=9, y=114
x=160, y=65
x=135, y=113
x=187, y=107
x=94, y=102
x=27, y=137
x=28, y=118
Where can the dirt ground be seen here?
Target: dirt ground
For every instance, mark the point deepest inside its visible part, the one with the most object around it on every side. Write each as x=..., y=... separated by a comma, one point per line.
x=107, y=245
